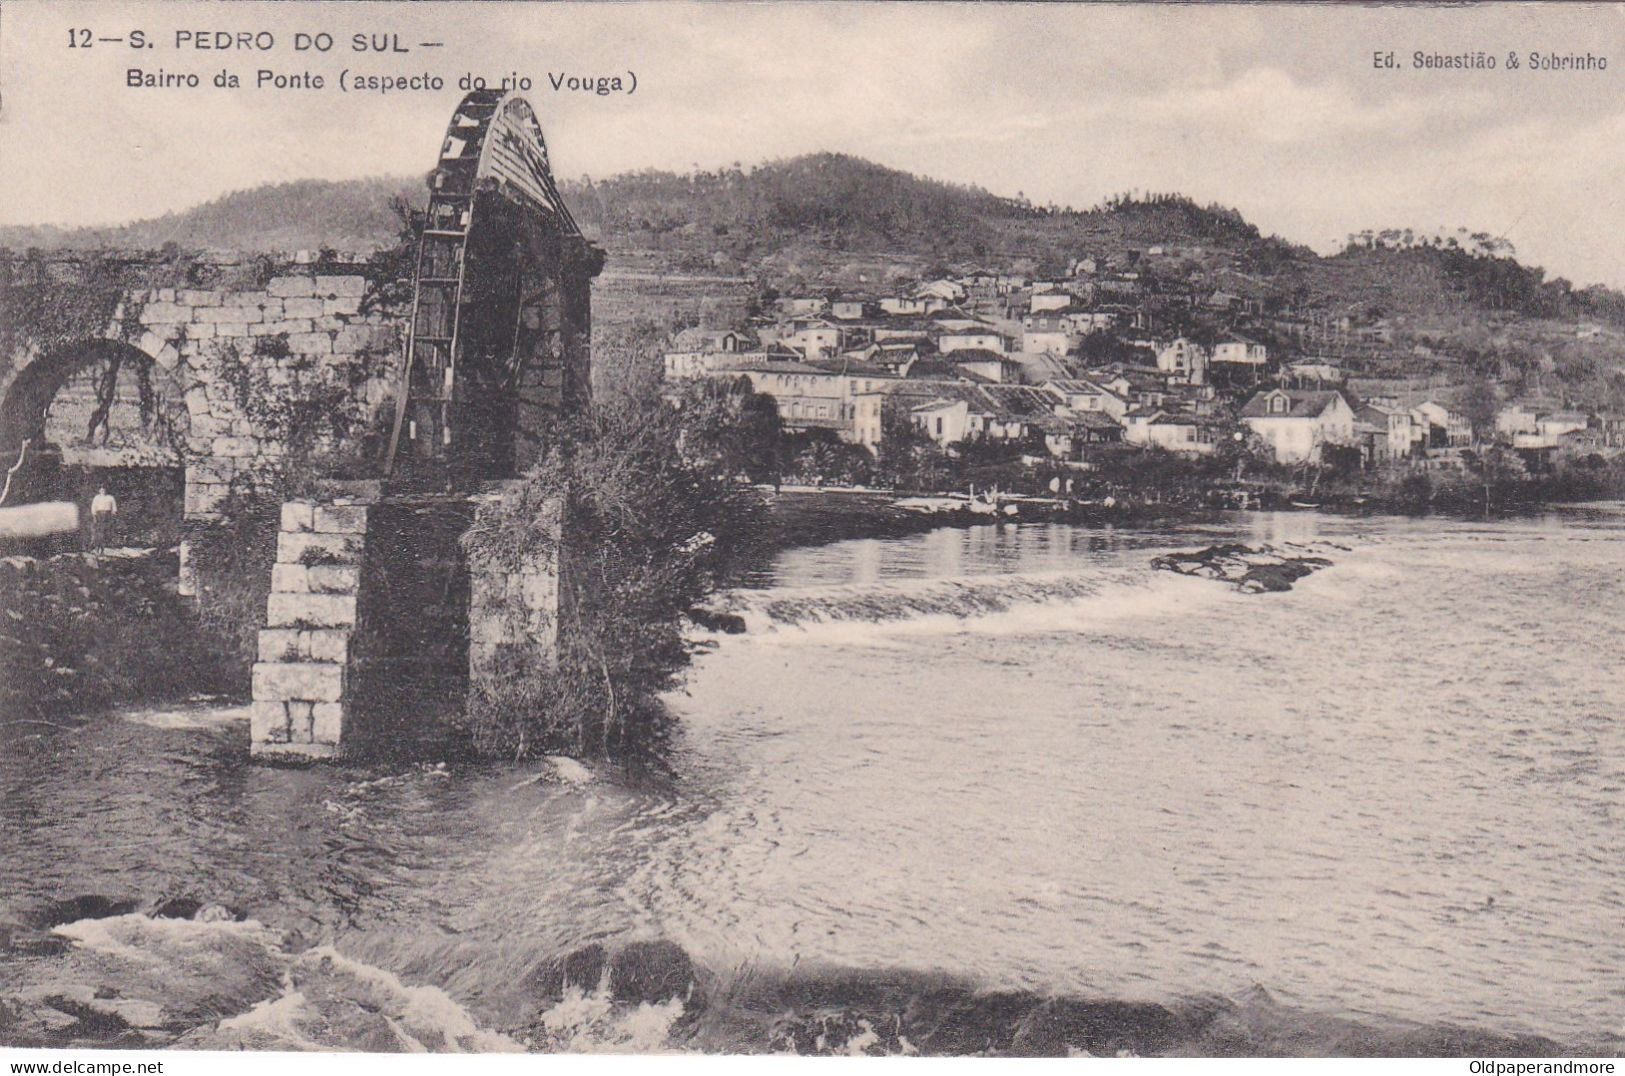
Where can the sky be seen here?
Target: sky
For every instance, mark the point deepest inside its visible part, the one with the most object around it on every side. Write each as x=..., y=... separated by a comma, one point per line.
x=1276, y=110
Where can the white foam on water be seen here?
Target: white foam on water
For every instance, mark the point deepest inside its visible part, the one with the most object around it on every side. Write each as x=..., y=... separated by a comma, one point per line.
x=883, y=615
x=139, y=937
x=422, y=1014
x=583, y=1022
x=277, y=1018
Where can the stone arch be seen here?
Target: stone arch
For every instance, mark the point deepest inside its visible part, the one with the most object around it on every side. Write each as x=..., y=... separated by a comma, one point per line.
x=101, y=399
x=100, y=412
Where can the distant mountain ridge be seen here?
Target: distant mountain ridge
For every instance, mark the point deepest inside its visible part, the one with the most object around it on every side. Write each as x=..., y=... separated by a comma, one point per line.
x=800, y=216
x=830, y=199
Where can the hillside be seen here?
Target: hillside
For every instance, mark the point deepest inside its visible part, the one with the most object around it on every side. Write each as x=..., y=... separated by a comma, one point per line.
x=307, y=214
x=830, y=217
x=827, y=201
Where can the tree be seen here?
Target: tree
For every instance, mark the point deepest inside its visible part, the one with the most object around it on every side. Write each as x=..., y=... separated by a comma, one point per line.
x=1238, y=449
x=907, y=458
x=1495, y=468
x=727, y=425
x=1479, y=402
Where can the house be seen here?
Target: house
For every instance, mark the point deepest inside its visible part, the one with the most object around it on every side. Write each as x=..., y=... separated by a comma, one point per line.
x=813, y=337
x=849, y=309
x=1085, y=322
x=1516, y=418
x=910, y=305
x=1184, y=359
x=984, y=363
x=1240, y=350
x=811, y=395
x=1049, y=300
x=697, y=352
x=1186, y=434
x=1055, y=341
x=802, y=304
x=951, y=340
x=1141, y=386
x=894, y=357
x=1441, y=426
x=949, y=291
x=1298, y=423
x=1386, y=433
x=955, y=319
x=1320, y=371
x=1066, y=436
x=1082, y=396
x=944, y=419
x=1558, y=423
x=957, y=412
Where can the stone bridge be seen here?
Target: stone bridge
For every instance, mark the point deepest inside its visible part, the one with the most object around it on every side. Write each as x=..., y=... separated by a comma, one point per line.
x=404, y=390
x=216, y=366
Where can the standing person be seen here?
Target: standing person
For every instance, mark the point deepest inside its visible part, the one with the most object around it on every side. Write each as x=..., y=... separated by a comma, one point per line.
x=103, y=508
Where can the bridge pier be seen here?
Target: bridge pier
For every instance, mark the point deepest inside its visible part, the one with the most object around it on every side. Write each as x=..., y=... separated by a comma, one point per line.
x=303, y=678
x=378, y=623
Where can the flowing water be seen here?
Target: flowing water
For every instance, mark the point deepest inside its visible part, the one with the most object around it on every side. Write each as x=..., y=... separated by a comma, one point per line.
x=1011, y=757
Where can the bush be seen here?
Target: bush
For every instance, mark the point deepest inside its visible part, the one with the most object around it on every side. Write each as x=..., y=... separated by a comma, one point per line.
x=231, y=558
x=77, y=635
x=648, y=534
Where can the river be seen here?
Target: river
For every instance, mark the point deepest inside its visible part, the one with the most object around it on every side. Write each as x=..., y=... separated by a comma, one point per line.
x=1381, y=811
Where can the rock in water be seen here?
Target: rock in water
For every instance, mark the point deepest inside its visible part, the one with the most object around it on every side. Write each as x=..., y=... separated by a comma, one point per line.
x=581, y=968
x=652, y=971
x=1250, y=569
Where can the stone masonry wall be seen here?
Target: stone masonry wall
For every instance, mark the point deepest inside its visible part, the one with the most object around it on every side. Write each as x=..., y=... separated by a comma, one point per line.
x=301, y=680
x=515, y=608
x=378, y=622
x=296, y=361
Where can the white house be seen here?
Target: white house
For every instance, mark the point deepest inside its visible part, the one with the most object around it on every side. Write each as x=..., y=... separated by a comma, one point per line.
x=909, y=304
x=947, y=290
x=989, y=364
x=1442, y=426
x=802, y=304
x=1298, y=423
x=1184, y=359
x=1516, y=418
x=1185, y=434
x=1240, y=350
x=1083, y=395
x=964, y=339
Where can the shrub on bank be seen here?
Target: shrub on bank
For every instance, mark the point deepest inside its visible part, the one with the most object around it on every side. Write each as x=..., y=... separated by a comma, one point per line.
x=231, y=559
x=77, y=634
x=649, y=531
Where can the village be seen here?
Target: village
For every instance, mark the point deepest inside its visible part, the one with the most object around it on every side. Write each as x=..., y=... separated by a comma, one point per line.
x=1107, y=362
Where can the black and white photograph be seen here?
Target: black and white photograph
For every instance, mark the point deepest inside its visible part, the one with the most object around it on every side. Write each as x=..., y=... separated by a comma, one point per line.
x=811, y=529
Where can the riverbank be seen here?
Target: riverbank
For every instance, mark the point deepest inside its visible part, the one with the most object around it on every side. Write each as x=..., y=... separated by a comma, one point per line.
x=811, y=516
x=803, y=517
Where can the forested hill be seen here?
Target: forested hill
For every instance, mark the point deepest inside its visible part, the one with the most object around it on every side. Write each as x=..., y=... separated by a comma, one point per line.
x=805, y=215
x=822, y=201
x=307, y=214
